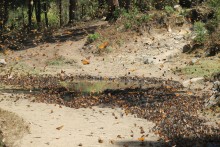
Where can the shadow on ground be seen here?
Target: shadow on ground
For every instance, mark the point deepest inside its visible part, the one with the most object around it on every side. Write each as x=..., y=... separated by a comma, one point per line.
x=139, y=144
x=202, y=141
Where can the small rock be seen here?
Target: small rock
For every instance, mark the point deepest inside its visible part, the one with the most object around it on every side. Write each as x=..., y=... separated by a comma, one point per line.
x=215, y=98
x=186, y=48
x=3, y=62
x=212, y=51
x=194, y=60
x=148, y=60
x=191, y=81
x=177, y=8
x=178, y=37
x=215, y=76
x=176, y=42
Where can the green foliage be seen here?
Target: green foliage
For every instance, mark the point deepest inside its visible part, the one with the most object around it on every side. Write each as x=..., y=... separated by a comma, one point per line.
x=1, y=144
x=214, y=3
x=117, y=13
x=169, y=10
x=133, y=18
x=162, y=3
x=93, y=37
x=200, y=32
x=145, y=18
x=56, y=61
x=204, y=68
x=127, y=25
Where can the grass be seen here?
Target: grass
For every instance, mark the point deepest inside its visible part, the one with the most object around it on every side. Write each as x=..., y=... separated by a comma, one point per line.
x=85, y=86
x=204, y=68
x=1, y=143
x=57, y=61
x=200, y=32
x=93, y=37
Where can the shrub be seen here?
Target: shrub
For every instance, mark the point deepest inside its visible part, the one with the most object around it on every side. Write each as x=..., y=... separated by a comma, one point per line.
x=200, y=32
x=169, y=9
x=214, y=3
x=133, y=18
x=93, y=37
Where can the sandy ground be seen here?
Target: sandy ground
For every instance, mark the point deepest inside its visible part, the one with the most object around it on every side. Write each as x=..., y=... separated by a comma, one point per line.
x=86, y=127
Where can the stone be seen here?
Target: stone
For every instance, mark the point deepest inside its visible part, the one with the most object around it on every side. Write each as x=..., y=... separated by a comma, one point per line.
x=186, y=48
x=194, y=60
x=177, y=8
x=179, y=37
x=187, y=83
x=214, y=100
x=3, y=62
x=213, y=50
x=148, y=60
x=215, y=76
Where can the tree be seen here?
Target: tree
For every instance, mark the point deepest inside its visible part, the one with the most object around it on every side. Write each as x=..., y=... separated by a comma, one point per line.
x=112, y=6
x=101, y=3
x=30, y=8
x=60, y=12
x=37, y=5
x=125, y=4
x=72, y=10
x=3, y=12
x=45, y=10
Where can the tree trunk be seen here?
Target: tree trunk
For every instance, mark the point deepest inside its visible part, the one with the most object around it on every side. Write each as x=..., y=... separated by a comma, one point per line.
x=39, y=11
x=101, y=3
x=3, y=12
x=125, y=4
x=37, y=6
x=72, y=10
x=30, y=4
x=60, y=12
x=112, y=5
x=45, y=14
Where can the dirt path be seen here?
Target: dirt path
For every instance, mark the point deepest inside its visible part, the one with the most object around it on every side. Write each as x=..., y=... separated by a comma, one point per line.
x=52, y=125
x=149, y=55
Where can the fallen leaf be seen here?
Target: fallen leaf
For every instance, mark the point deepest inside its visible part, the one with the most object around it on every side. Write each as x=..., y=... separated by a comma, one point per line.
x=177, y=94
x=141, y=139
x=103, y=45
x=67, y=33
x=100, y=140
x=111, y=141
x=85, y=62
x=59, y=128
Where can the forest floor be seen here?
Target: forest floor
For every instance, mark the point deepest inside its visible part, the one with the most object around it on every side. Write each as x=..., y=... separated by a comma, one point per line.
x=156, y=53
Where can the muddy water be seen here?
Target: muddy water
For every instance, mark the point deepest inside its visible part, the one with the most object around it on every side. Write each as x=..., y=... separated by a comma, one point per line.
x=80, y=87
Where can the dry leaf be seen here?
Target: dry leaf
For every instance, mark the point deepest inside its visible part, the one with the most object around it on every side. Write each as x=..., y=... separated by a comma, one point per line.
x=141, y=139
x=100, y=140
x=85, y=62
x=59, y=128
x=103, y=45
x=177, y=94
x=67, y=33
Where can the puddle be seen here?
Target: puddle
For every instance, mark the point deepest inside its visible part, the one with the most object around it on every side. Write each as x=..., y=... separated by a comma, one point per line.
x=70, y=88
x=98, y=86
